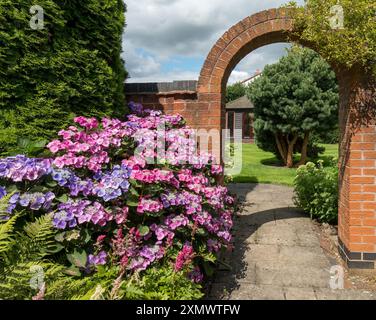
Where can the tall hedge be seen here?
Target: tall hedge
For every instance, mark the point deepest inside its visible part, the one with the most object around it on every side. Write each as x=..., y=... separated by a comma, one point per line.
x=70, y=67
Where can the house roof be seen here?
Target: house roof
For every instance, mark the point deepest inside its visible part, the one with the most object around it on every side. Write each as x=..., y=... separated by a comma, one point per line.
x=240, y=103
x=256, y=75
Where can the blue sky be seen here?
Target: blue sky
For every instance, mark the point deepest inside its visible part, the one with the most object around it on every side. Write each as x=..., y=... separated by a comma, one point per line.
x=168, y=40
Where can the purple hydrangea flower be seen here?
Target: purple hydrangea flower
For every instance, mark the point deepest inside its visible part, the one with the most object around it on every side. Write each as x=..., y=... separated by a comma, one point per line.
x=136, y=108
x=174, y=222
x=96, y=260
x=21, y=168
x=196, y=275
x=35, y=201
x=146, y=256
x=3, y=192
x=213, y=245
x=173, y=199
x=71, y=213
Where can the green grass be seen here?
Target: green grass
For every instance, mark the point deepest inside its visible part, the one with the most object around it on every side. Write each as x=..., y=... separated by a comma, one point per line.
x=263, y=167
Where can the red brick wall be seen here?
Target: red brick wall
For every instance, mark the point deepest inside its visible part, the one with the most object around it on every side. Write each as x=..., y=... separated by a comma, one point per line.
x=205, y=108
x=357, y=207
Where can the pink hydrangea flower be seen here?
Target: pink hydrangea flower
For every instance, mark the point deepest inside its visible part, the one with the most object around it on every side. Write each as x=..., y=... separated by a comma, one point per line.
x=149, y=205
x=184, y=257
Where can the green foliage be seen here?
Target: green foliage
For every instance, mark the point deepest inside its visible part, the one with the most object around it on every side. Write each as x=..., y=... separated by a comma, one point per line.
x=327, y=137
x=71, y=67
x=354, y=45
x=33, y=148
x=316, y=191
x=235, y=91
x=30, y=268
x=162, y=283
x=293, y=98
x=23, y=252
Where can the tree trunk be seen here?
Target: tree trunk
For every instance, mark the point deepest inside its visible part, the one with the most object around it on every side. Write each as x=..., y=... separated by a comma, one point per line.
x=281, y=147
x=303, y=158
x=290, y=152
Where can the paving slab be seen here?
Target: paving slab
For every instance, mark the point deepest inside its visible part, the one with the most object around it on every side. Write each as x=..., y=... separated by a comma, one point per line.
x=292, y=293
x=277, y=253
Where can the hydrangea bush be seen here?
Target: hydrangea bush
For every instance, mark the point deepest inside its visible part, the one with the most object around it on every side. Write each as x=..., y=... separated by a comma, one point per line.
x=120, y=195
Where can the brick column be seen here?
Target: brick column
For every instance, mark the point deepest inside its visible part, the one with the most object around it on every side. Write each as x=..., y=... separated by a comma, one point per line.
x=357, y=185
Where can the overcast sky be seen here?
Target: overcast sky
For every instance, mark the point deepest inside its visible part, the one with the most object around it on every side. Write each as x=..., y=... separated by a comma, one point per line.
x=168, y=40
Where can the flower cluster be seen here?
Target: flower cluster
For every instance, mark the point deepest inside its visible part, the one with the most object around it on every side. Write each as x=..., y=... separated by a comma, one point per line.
x=21, y=168
x=153, y=176
x=79, y=212
x=174, y=199
x=196, y=275
x=184, y=257
x=108, y=197
x=149, y=205
x=133, y=255
x=174, y=222
x=113, y=184
x=33, y=201
x=88, y=148
x=66, y=178
x=146, y=256
x=97, y=260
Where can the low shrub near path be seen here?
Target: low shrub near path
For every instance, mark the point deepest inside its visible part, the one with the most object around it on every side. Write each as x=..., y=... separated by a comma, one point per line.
x=316, y=191
x=98, y=220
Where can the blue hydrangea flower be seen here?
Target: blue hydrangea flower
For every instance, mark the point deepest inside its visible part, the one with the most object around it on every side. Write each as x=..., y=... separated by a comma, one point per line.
x=66, y=178
x=34, y=201
x=64, y=218
x=112, y=185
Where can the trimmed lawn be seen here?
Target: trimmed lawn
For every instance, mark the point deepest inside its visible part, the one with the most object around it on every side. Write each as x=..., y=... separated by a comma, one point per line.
x=263, y=167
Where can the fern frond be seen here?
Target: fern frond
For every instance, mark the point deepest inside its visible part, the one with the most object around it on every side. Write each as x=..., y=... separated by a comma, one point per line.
x=42, y=235
x=6, y=234
x=20, y=280
x=41, y=229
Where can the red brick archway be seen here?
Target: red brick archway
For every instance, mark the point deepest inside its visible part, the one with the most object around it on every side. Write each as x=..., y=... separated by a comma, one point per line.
x=203, y=107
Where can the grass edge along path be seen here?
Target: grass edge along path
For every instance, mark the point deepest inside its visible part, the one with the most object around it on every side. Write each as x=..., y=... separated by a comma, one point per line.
x=263, y=167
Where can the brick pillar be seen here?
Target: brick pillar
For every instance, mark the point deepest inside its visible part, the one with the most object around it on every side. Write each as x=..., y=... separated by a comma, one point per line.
x=357, y=185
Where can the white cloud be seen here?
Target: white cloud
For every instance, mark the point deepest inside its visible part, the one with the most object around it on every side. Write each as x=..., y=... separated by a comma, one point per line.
x=141, y=64
x=237, y=76
x=165, y=76
x=257, y=60
x=186, y=28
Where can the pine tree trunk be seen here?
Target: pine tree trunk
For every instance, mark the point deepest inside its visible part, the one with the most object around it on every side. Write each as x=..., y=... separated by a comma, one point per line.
x=281, y=147
x=290, y=151
x=303, y=158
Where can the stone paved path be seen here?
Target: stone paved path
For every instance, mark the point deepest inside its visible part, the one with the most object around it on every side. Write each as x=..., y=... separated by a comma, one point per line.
x=277, y=255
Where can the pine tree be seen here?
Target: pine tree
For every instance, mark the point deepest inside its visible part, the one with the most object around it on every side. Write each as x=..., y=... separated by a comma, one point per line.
x=293, y=99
